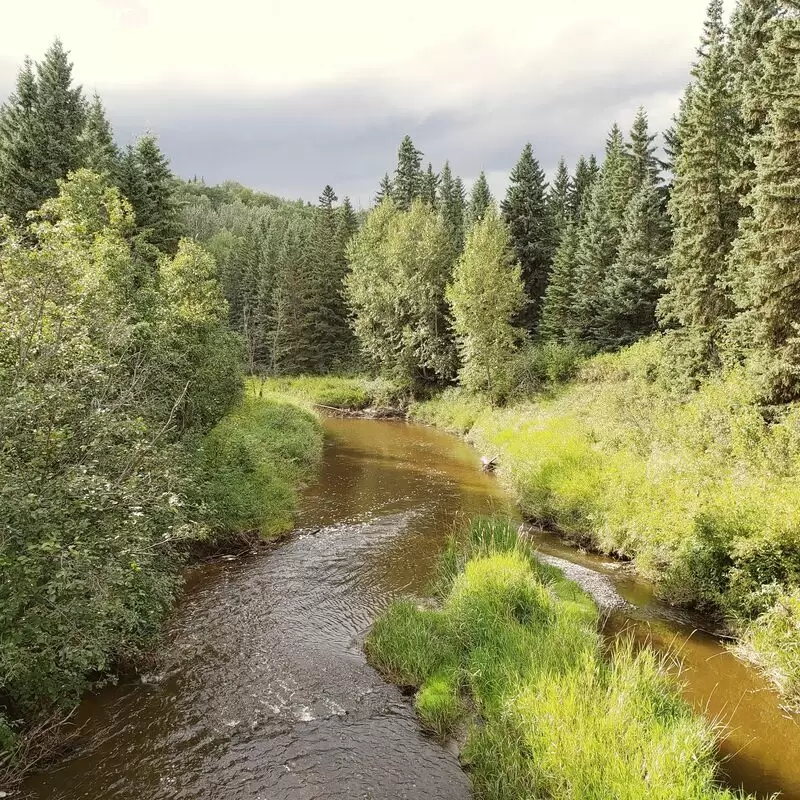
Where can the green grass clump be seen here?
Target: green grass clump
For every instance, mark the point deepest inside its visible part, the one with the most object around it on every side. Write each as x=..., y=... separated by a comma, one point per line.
x=439, y=705
x=700, y=486
x=251, y=463
x=550, y=715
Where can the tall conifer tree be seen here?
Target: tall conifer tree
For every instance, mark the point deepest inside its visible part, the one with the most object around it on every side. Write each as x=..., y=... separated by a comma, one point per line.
x=408, y=177
x=452, y=207
x=480, y=199
x=530, y=225
x=99, y=153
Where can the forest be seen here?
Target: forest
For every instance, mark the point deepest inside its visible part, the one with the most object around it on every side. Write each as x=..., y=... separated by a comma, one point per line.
x=622, y=332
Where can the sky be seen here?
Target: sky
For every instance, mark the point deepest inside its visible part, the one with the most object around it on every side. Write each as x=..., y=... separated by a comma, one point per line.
x=288, y=95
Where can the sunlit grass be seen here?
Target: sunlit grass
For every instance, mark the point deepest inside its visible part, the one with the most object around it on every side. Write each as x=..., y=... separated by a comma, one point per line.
x=551, y=716
x=699, y=488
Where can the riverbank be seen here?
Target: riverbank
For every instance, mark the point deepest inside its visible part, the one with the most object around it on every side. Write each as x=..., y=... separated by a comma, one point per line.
x=697, y=487
x=514, y=656
x=235, y=486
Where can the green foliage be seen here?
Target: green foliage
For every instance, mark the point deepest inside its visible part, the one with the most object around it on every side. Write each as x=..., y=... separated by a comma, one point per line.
x=486, y=295
x=556, y=319
x=531, y=229
x=400, y=264
x=408, y=184
x=452, y=207
x=480, y=199
x=550, y=716
x=40, y=133
x=104, y=377
x=334, y=391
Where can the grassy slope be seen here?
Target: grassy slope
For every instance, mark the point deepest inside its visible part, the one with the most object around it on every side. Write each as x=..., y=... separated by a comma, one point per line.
x=698, y=488
x=514, y=648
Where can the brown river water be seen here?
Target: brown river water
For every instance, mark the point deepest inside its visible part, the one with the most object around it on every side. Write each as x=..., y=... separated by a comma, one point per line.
x=263, y=693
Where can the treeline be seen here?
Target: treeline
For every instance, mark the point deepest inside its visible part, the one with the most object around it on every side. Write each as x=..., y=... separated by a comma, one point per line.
x=282, y=267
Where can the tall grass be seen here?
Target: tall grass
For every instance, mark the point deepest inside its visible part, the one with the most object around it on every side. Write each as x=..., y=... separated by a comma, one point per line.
x=514, y=652
x=251, y=464
x=701, y=488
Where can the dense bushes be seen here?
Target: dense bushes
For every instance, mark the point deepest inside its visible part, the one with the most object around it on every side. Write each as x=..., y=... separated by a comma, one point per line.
x=514, y=653
x=700, y=487
x=336, y=392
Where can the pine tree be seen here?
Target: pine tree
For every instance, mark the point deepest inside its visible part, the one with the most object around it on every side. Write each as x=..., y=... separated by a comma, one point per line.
x=770, y=240
x=148, y=183
x=99, y=153
x=430, y=186
x=645, y=167
x=384, y=189
x=486, y=295
x=558, y=299
x=635, y=281
x=703, y=205
x=558, y=201
x=599, y=238
x=480, y=199
x=408, y=178
x=525, y=211
x=40, y=133
x=452, y=208
x=586, y=172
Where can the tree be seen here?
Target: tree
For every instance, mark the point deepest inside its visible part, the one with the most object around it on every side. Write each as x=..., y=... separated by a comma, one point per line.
x=586, y=172
x=559, y=297
x=635, y=281
x=384, y=189
x=40, y=130
x=408, y=178
x=148, y=183
x=645, y=167
x=430, y=186
x=486, y=295
x=480, y=199
x=530, y=227
x=703, y=205
x=559, y=201
x=452, y=208
x=599, y=239
x=99, y=153
x=770, y=241
x=400, y=265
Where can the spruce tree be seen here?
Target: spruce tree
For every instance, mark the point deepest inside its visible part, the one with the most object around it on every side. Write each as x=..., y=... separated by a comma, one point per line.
x=99, y=153
x=480, y=199
x=148, y=183
x=430, y=186
x=40, y=133
x=559, y=199
x=586, y=172
x=559, y=297
x=704, y=205
x=645, y=167
x=634, y=283
x=452, y=208
x=530, y=226
x=599, y=238
x=770, y=240
x=384, y=189
x=408, y=178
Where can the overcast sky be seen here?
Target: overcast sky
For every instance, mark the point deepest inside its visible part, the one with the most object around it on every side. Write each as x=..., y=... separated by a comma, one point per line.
x=288, y=95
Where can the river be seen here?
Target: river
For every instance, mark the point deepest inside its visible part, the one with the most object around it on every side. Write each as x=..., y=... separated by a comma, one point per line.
x=263, y=693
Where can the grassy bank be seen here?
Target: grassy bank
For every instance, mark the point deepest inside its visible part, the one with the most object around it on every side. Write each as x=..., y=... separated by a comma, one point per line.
x=347, y=393
x=252, y=462
x=700, y=487
x=513, y=655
